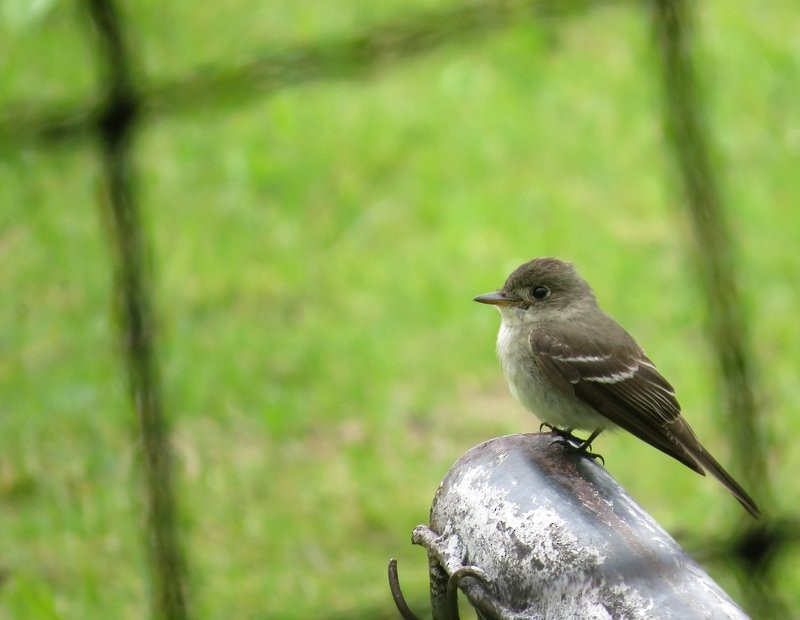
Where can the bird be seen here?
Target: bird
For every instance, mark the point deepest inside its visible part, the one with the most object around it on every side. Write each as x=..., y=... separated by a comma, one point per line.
x=575, y=367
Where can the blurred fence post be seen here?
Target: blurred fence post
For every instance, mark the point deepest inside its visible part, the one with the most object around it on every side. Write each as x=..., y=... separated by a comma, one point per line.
x=531, y=530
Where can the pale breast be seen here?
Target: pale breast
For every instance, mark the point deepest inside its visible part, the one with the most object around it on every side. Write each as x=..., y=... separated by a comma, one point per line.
x=532, y=388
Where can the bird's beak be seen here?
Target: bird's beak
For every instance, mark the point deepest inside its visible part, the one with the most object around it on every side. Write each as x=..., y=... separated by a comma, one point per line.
x=498, y=298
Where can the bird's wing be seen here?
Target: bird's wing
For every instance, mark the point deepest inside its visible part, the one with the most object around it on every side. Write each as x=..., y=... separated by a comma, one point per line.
x=618, y=381
x=621, y=383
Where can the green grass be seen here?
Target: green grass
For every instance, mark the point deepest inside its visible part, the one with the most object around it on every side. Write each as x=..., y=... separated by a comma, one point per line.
x=316, y=253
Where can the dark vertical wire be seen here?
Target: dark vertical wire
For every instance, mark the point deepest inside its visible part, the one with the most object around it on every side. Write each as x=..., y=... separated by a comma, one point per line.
x=116, y=123
x=713, y=239
x=715, y=262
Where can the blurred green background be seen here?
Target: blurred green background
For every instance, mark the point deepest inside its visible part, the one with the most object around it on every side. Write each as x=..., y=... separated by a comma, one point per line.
x=315, y=255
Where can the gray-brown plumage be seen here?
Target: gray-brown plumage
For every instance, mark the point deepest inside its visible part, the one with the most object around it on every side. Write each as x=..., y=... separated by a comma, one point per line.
x=577, y=368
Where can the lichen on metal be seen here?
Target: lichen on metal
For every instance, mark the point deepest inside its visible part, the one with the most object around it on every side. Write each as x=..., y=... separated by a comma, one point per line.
x=555, y=536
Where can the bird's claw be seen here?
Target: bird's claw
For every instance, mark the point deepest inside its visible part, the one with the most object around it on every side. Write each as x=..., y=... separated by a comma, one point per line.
x=593, y=455
x=564, y=437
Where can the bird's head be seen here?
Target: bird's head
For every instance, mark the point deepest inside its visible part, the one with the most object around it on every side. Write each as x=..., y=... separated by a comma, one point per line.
x=541, y=289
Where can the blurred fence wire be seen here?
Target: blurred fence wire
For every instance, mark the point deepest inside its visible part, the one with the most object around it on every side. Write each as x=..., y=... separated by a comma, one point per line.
x=265, y=74
x=752, y=550
x=115, y=127
x=115, y=115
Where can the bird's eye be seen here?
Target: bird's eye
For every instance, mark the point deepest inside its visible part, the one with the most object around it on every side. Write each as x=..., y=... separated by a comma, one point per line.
x=540, y=292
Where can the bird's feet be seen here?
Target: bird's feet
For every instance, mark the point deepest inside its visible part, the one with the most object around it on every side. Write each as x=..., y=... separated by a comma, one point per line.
x=564, y=437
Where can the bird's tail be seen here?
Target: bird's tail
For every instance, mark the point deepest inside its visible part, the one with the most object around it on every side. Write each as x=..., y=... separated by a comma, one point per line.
x=701, y=456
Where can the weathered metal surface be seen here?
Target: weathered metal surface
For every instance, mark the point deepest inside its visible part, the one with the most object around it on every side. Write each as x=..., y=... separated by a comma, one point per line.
x=557, y=537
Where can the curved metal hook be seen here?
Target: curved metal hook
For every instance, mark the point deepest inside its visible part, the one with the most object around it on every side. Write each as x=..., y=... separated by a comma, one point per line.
x=452, y=587
x=397, y=593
